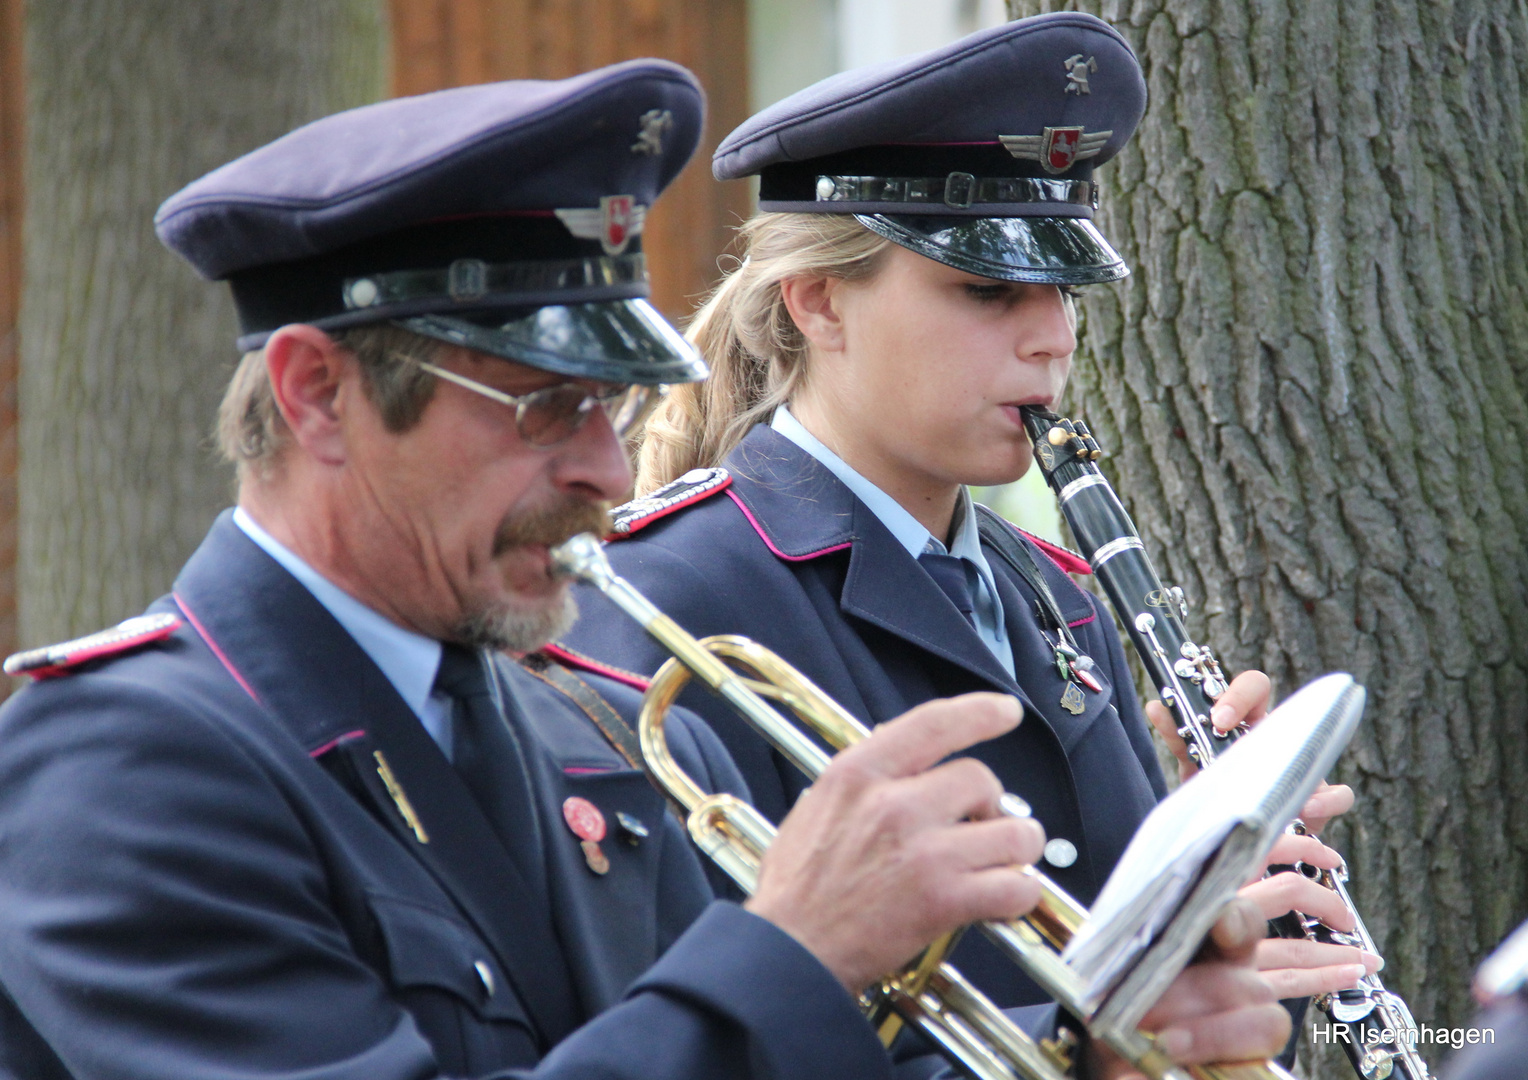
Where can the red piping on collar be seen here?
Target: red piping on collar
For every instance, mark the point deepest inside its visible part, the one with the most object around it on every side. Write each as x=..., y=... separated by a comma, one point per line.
x=1069, y=561
x=568, y=658
x=213, y=645
x=770, y=544
x=1084, y=622
x=332, y=743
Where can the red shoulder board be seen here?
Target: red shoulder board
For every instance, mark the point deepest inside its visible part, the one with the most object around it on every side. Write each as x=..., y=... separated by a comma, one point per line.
x=571, y=658
x=53, y=660
x=692, y=487
x=1066, y=558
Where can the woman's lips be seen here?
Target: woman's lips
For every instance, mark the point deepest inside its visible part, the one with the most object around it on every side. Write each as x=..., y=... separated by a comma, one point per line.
x=1012, y=409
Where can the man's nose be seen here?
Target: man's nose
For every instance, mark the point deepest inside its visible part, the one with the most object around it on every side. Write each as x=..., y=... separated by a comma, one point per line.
x=594, y=462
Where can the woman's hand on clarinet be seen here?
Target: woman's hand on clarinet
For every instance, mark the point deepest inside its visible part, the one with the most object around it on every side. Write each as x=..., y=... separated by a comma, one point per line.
x=1297, y=967
x=1294, y=967
x=1245, y=701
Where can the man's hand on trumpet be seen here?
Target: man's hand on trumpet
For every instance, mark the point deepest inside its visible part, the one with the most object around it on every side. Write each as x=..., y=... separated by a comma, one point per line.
x=889, y=849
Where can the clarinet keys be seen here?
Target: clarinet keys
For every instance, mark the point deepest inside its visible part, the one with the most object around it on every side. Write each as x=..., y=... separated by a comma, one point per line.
x=1073, y=437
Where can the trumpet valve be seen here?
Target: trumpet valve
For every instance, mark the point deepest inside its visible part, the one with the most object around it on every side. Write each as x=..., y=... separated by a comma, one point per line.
x=1062, y=1049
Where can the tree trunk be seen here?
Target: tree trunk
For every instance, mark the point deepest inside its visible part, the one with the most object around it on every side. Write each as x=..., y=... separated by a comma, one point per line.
x=1313, y=387
x=12, y=128
x=124, y=351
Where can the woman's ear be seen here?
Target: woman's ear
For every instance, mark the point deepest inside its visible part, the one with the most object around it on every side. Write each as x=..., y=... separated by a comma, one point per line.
x=307, y=368
x=812, y=301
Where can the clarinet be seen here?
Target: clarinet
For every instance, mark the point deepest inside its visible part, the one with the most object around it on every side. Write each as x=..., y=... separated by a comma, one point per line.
x=1373, y=1025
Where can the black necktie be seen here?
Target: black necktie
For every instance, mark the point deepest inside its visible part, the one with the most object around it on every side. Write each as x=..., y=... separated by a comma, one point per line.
x=487, y=755
x=949, y=573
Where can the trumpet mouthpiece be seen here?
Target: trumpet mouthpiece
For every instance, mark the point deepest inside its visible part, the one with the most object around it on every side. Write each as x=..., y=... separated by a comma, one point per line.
x=582, y=556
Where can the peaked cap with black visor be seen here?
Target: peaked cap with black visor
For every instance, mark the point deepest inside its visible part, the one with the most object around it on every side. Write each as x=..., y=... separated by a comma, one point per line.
x=979, y=154
x=503, y=217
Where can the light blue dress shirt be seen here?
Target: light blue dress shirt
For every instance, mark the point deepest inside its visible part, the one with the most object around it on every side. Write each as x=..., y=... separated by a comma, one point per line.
x=910, y=533
x=409, y=660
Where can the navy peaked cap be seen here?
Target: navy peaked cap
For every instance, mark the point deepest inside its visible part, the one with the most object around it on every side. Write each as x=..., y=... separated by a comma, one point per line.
x=459, y=214
x=980, y=154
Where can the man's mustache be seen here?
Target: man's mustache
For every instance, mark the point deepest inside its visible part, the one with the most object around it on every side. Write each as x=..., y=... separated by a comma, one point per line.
x=551, y=525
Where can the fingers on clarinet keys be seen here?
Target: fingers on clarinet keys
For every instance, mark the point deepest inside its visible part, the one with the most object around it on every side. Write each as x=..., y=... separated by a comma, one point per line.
x=1199, y=666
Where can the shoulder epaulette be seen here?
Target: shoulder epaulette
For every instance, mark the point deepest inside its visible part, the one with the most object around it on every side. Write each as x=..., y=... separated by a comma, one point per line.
x=693, y=486
x=53, y=660
x=1070, y=561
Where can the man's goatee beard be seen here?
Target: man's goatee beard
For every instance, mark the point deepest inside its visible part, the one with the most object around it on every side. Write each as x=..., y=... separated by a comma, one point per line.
x=525, y=630
x=518, y=631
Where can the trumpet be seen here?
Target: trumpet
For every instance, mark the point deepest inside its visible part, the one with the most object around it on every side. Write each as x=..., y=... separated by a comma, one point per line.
x=930, y=994
x=1380, y=1037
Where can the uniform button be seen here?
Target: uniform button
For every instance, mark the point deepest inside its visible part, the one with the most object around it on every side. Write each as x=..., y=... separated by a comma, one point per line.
x=1060, y=852
x=485, y=976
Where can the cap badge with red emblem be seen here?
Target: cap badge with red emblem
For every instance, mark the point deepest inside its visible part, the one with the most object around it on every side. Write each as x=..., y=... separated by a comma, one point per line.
x=617, y=222
x=1058, y=149
x=588, y=824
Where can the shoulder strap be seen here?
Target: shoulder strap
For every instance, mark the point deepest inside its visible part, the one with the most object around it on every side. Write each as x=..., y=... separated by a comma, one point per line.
x=51, y=661
x=1000, y=536
x=612, y=725
x=615, y=729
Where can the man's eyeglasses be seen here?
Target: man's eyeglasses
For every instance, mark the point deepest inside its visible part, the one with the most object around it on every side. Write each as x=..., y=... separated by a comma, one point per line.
x=554, y=414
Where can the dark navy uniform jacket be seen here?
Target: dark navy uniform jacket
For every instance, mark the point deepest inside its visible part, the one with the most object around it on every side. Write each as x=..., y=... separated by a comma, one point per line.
x=203, y=874
x=786, y=554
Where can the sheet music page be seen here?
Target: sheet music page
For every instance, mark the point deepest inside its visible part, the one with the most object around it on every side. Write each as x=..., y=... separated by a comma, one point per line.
x=1262, y=780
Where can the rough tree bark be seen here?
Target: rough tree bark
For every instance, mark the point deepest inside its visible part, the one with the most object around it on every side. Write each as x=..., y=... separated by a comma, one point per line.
x=125, y=351
x=12, y=143
x=1314, y=386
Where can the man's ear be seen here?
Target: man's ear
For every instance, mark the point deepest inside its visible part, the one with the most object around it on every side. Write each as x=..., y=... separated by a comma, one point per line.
x=812, y=301
x=307, y=368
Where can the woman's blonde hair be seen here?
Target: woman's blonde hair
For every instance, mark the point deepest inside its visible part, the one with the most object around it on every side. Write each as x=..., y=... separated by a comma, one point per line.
x=756, y=354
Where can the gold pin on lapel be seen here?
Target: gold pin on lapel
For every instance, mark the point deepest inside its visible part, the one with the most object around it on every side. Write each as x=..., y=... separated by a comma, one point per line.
x=400, y=800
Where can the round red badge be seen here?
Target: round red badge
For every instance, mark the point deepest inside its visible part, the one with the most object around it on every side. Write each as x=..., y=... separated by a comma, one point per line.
x=584, y=818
